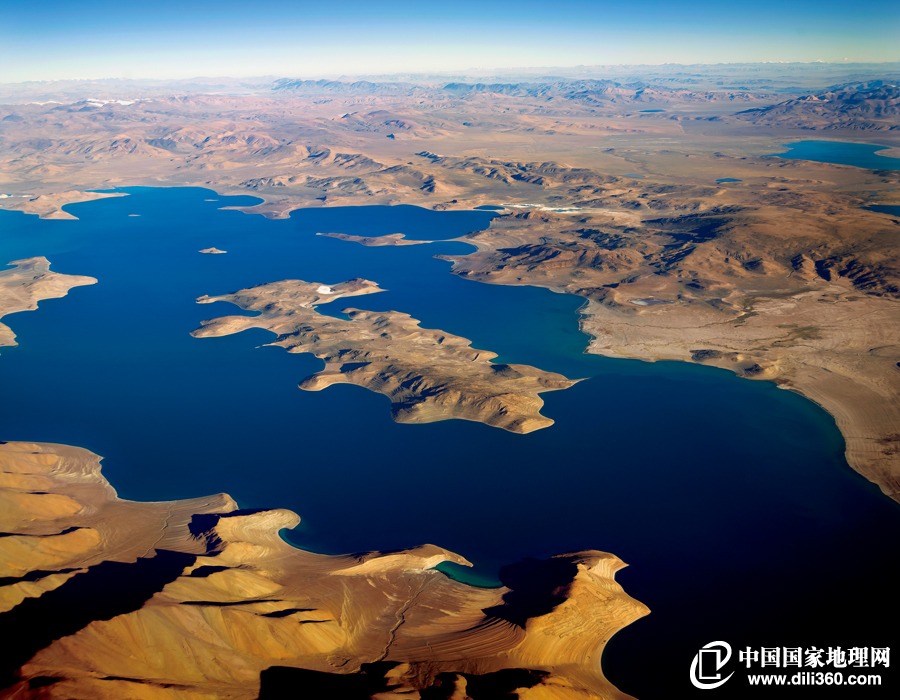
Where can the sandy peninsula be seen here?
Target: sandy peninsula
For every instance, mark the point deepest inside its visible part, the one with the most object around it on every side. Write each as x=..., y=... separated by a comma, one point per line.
x=198, y=599
x=29, y=281
x=390, y=239
x=50, y=205
x=429, y=375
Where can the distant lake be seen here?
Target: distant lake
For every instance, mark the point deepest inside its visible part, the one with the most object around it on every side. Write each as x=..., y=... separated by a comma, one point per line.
x=893, y=210
x=728, y=179
x=860, y=155
x=730, y=499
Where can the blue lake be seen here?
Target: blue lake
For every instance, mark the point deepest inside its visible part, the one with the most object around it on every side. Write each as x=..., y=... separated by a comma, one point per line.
x=730, y=500
x=860, y=155
x=893, y=210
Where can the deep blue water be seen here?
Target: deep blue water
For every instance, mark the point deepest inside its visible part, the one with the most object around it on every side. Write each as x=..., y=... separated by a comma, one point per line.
x=860, y=155
x=729, y=499
x=893, y=210
x=728, y=179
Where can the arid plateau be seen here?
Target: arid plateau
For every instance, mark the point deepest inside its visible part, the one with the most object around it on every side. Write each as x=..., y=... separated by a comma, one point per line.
x=658, y=200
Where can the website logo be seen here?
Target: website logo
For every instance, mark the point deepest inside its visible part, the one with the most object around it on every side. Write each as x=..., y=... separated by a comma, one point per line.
x=706, y=668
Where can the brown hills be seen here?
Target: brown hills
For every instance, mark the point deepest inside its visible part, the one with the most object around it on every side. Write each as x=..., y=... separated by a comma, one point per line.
x=873, y=106
x=197, y=599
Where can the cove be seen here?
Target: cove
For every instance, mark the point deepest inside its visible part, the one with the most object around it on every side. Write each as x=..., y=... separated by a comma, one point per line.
x=729, y=499
x=860, y=155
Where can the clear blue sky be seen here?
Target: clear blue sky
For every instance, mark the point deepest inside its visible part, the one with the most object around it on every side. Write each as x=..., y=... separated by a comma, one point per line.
x=48, y=39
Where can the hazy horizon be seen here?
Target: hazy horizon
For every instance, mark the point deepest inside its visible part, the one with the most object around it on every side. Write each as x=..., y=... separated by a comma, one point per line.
x=99, y=39
x=565, y=72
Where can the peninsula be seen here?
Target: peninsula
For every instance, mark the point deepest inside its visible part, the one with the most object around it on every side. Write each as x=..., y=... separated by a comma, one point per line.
x=29, y=281
x=389, y=239
x=428, y=375
x=807, y=297
x=101, y=595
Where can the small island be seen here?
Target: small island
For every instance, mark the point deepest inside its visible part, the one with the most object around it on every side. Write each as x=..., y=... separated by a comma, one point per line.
x=213, y=251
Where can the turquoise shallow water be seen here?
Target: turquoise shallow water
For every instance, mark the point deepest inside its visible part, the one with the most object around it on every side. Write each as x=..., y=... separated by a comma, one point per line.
x=860, y=155
x=729, y=499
